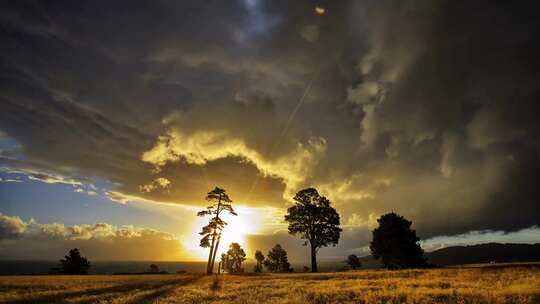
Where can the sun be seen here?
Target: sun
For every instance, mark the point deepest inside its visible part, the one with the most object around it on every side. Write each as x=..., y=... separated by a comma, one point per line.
x=235, y=232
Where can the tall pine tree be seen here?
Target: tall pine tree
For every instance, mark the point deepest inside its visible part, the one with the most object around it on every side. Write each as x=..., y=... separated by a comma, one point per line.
x=211, y=233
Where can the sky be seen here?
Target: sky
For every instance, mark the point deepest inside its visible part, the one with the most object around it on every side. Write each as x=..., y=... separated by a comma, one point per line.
x=116, y=119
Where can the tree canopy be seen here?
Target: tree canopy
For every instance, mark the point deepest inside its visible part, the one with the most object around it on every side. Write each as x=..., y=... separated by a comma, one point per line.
x=353, y=261
x=277, y=260
x=232, y=260
x=396, y=244
x=211, y=233
x=74, y=263
x=259, y=257
x=314, y=220
x=153, y=268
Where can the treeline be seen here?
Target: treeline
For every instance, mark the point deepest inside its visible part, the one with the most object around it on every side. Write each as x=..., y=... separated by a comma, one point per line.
x=313, y=219
x=275, y=261
x=75, y=263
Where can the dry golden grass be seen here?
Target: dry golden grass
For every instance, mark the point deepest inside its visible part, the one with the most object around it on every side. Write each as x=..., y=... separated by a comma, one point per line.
x=517, y=284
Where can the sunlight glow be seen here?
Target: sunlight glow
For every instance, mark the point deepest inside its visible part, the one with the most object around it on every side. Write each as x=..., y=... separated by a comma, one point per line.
x=236, y=230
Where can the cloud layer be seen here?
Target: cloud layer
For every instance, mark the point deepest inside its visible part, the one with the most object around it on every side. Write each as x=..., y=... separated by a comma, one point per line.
x=30, y=240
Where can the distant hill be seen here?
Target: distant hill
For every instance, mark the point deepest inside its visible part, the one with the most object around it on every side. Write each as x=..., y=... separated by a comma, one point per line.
x=485, y=253
x=475, y=254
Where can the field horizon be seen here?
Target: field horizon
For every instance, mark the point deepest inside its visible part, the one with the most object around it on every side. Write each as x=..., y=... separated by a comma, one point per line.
x=448, y=256
x=510, y=284
x=42, y=267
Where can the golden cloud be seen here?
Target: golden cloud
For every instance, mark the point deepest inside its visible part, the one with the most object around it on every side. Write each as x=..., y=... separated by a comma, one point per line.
x=101, y=241
x=201, y=147
x=160, y=182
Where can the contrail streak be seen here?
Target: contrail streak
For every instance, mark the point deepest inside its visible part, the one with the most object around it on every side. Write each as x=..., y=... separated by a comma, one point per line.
x=287, y=125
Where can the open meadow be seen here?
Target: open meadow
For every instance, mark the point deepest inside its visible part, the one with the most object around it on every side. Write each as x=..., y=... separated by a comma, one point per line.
x=509, y=284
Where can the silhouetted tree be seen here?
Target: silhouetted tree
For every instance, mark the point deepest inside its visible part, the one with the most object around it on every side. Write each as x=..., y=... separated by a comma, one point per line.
x=259, y=257
x=396, y=244
x=153, y=268
x=314, y=220
x=233, y=259
x=353, y=261
x=74, y=263
x=277, y=260
x=223, y=263
x=212, y=232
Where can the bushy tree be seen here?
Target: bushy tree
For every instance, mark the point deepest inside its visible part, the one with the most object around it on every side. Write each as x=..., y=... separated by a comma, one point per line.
x=211, y=233
x=153, y=268
x=396, y=244
x=259, y=257
x=224, y=263
x=232, y=260
x=74, y=263
x=353, y=261
x=277, y=261
x=314, y=220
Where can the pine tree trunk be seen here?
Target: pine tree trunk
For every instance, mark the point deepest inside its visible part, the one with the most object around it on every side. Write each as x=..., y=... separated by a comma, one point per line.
x=213, y=249
x=215, y=252
x=210, y=255
x=313, y=259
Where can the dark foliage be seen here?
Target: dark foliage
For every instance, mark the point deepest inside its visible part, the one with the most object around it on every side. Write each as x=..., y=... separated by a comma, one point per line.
x=233, y=259
x=211, y=233
x=74, y=263
x=353, y=261
x=259, y=257
x=314, y=220
x=396, y=244
x=153, y=268
x=277, y=260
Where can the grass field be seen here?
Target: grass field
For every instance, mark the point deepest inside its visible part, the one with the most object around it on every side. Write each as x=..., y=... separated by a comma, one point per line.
x=513, y=284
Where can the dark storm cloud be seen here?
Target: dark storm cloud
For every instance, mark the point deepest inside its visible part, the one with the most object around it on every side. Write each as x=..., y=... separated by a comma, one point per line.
x=461, y=98
x=427, y=108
